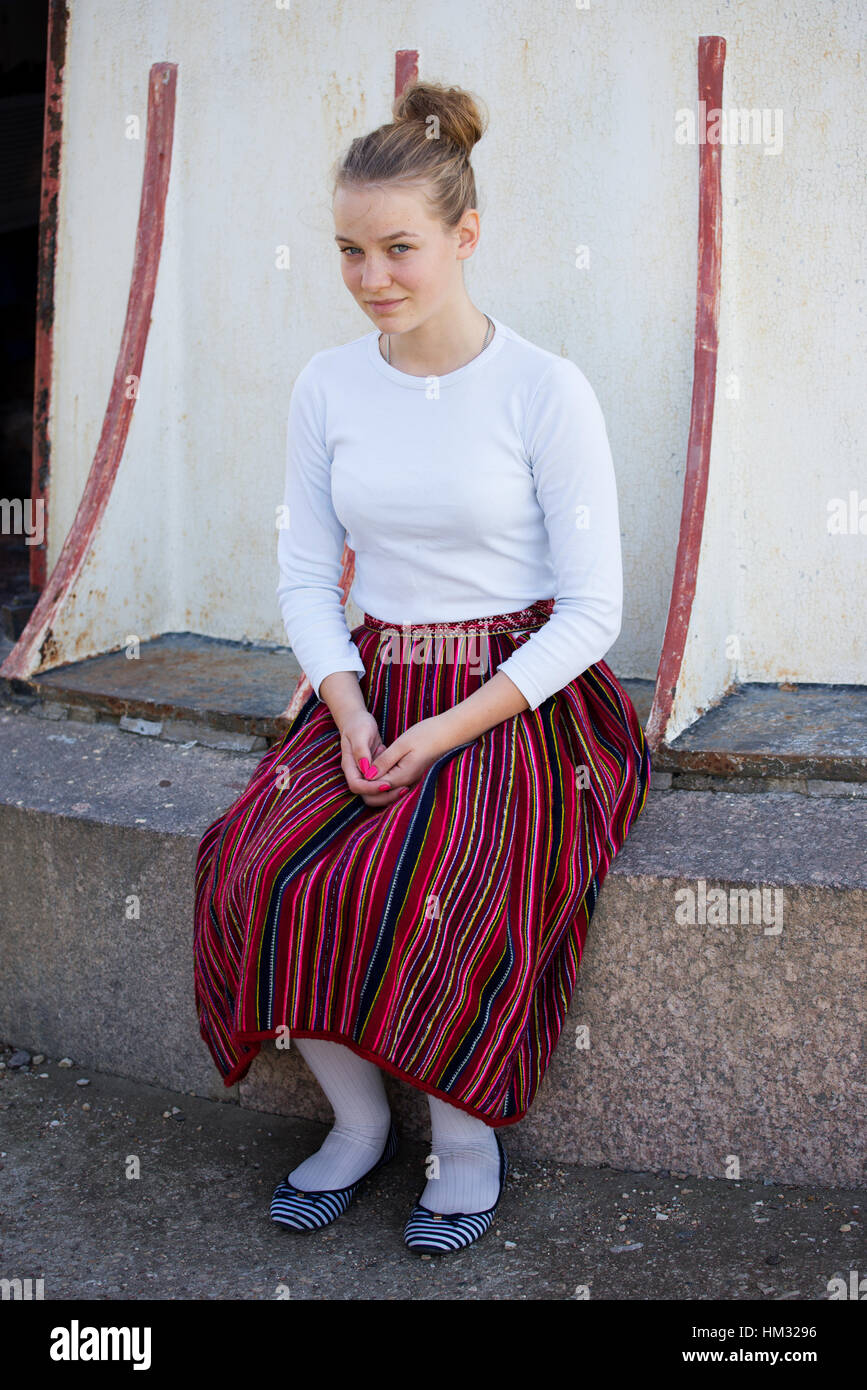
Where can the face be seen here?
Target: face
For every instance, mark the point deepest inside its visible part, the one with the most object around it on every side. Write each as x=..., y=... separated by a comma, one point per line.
x=400, y=263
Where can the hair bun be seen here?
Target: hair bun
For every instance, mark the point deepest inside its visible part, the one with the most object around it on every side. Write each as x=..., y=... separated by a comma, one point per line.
x=456, y=113
x=428, y=142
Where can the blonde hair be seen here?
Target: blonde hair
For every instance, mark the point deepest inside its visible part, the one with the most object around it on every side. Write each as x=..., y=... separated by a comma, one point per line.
x=429, y=142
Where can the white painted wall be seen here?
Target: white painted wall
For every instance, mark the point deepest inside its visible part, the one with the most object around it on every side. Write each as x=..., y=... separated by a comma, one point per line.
x=581, y=150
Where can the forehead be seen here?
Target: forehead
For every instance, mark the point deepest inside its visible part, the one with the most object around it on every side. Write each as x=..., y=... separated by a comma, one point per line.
x=377, y=210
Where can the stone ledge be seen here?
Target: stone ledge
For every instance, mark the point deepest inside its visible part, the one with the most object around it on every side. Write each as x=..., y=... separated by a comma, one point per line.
x=704, y=1039
x=683, y=1047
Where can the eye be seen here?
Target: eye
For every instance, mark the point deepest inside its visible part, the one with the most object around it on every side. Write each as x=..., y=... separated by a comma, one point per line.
x=344, y=249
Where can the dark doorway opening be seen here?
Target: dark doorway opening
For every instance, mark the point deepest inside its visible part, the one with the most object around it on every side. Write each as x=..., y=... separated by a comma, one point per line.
x=23, y=42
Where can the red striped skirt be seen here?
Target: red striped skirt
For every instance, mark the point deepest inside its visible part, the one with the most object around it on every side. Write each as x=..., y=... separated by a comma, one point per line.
x=440, y=936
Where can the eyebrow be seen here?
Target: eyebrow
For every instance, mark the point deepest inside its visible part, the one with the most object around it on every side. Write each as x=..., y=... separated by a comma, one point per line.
x=391, y=236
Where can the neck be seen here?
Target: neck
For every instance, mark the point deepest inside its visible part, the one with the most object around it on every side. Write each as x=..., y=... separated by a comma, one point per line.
x=445, y=341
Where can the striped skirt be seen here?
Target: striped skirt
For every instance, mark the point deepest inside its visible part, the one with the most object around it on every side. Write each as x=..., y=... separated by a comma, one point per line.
x=440, y=936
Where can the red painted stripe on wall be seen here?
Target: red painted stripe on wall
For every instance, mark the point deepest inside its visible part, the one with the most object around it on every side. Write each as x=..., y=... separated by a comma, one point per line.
x=711, y=59
x=36, y=649
x=49, y=196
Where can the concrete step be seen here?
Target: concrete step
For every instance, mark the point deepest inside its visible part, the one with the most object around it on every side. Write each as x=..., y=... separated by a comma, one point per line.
x=729, y=1042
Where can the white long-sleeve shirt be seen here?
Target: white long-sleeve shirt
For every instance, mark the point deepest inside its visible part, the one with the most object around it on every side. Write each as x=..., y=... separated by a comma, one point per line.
x=462, y=496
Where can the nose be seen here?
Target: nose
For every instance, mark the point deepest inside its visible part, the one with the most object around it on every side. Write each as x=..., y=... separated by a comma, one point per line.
x=374, y=275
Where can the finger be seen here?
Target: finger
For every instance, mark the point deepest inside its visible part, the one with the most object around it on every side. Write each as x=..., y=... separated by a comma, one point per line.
x=363, y=757
x=377, y=801
x=386, y=797
x=388, y=759
x=385, y=787
x=355, y=778
x=368, y=763
x=377, y=787
x=374, y=761
x=374, y=767
x=384, y=791
x=393, y=763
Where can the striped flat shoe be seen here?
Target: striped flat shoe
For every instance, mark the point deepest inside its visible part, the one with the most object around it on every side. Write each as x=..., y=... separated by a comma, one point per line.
x=435, y=1233
x=309, y=1211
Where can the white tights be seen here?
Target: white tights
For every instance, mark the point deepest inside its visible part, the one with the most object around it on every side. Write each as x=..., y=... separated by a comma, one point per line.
x=463, y=1165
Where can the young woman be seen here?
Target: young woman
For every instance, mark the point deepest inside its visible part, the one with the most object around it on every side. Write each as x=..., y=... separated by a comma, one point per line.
x=407, y=881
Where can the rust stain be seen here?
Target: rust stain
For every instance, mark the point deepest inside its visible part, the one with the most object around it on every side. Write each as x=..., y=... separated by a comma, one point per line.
x=48, y=649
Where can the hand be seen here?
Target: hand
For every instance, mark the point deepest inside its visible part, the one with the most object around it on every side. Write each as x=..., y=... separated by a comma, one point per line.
x=404, y=762
x=360, y=744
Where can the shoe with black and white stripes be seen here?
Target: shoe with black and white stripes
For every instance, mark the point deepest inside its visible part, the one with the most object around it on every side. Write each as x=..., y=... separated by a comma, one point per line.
x=310, y=1211
x=438, y=1233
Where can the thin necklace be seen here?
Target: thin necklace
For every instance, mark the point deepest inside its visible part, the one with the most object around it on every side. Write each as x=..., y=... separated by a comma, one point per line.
x=472, y=359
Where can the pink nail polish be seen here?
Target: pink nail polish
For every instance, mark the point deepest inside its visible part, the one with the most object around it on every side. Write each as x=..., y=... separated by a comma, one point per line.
x=383, y=787
x=364, y=765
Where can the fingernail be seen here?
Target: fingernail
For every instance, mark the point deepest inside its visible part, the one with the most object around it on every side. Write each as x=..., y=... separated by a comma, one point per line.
x=364, y=765
x=383, y=787
x=374, y=771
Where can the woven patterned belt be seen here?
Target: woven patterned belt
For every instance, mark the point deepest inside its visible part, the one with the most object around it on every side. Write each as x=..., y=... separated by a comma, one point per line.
x=521, y=620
